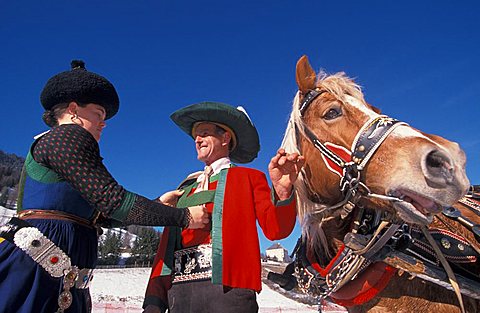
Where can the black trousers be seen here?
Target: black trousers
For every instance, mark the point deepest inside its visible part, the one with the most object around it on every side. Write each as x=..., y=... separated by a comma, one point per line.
x=204, y=297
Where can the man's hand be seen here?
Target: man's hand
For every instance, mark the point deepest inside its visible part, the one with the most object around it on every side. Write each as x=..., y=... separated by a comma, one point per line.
x=284, y=169
x=199, y=216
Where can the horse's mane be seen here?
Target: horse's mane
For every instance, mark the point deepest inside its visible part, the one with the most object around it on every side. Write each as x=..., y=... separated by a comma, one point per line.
x=340, y=86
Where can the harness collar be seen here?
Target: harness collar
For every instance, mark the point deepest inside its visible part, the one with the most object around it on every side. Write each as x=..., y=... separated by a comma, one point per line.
x=386, y=247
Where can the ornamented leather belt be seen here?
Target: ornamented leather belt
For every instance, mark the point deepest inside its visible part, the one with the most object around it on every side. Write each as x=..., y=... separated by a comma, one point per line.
x=50, y=257
x=54, y=215
x=194, y=263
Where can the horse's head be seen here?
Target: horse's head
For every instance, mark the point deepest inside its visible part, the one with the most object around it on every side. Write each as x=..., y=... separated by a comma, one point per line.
x=399, y=168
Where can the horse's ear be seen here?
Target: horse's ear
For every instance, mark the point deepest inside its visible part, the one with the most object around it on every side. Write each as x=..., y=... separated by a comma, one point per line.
x=375, y=109
x=305, y=75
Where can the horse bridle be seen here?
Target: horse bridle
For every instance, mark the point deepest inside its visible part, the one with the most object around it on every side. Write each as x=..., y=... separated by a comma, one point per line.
x=367, y=141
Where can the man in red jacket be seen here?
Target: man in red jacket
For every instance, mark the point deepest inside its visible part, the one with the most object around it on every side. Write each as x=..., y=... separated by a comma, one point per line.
x=217, y=268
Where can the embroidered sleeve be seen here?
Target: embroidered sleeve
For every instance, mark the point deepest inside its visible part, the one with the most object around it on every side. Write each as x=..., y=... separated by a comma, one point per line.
x=73, y=153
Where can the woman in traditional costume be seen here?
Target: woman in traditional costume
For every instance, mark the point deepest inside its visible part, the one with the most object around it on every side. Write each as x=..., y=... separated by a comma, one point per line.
x=48, y=252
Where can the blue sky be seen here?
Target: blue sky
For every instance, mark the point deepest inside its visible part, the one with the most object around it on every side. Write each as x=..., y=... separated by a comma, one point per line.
x=417, y=60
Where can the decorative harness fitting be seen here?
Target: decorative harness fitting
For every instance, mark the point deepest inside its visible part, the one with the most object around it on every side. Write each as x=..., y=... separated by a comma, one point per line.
x=367, y=141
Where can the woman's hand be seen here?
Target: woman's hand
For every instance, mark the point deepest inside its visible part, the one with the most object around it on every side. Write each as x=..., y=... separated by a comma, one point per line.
x=170, y=197
x=199, y=215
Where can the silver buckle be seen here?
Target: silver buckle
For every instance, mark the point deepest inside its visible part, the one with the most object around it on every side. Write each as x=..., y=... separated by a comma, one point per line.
x=84, y=278
x=42, y=251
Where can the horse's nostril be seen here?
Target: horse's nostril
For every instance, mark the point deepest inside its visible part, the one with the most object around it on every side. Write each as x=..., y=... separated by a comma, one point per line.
x=436, y=159
x=438, y=167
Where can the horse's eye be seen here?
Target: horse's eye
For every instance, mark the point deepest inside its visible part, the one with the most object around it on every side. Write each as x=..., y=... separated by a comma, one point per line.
x=332, y=113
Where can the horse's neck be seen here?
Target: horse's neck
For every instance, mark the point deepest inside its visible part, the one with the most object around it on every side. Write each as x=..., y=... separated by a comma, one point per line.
x=334, y=231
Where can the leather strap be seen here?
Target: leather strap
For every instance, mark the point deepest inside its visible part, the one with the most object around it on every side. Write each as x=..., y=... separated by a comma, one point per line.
x=53, y=215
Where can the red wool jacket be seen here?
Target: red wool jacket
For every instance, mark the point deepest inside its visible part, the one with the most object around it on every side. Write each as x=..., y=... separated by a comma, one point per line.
x=247, y=198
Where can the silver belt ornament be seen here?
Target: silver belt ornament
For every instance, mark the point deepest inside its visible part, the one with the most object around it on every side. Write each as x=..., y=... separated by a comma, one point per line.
x=193, y=263
x=56, y=262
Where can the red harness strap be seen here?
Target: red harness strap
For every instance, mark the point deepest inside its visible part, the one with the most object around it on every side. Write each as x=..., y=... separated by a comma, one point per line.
x=366, y=286
x=323, y=271
x=363, y=288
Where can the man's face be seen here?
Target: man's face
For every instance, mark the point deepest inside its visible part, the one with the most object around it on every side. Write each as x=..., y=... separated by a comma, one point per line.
x=210, y=145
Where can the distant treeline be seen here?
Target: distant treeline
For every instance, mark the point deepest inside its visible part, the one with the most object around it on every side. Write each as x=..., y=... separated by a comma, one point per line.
x=10, y=171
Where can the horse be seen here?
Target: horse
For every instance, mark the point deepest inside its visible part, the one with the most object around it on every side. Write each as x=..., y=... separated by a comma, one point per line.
x=370, y=187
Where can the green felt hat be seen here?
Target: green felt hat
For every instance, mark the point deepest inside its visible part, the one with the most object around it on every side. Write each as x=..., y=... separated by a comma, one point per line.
x=235, y=120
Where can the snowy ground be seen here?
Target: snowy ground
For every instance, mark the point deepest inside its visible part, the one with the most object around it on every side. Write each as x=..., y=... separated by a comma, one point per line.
x=122, y=291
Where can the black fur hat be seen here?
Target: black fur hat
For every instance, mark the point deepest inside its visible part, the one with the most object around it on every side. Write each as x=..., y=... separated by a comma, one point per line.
x=82, y=86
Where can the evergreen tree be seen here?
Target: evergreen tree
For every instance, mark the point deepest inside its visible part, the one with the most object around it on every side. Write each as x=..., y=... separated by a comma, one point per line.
x=3, y=196
x=126, y=240
x=10, y=171
x=109, y=248
x=145, y=246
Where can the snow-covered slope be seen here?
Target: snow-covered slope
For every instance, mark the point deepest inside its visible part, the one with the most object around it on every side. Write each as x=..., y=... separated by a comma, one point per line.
x=122, y=290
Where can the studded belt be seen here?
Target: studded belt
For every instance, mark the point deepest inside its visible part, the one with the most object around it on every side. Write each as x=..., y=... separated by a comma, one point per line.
x=49, y=256
x=194, y=263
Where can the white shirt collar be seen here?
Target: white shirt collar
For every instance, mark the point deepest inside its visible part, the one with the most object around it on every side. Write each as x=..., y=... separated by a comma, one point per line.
x=217, y=166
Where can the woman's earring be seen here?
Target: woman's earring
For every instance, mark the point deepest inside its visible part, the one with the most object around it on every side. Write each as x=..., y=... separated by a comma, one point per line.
x=75, y=120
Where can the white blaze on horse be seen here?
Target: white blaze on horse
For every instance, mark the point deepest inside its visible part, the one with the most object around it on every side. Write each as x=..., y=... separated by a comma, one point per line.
x=369, y=187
